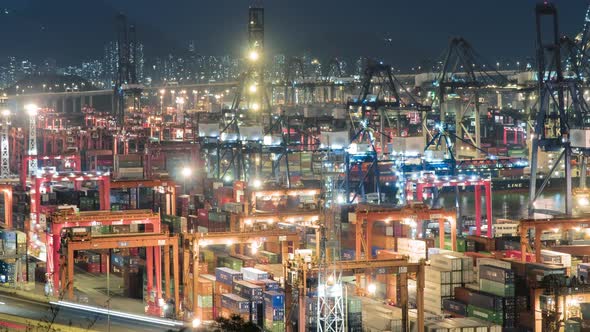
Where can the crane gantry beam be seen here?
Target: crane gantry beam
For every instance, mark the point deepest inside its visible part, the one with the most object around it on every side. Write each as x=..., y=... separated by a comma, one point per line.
x=194, y=241
x=147, y=241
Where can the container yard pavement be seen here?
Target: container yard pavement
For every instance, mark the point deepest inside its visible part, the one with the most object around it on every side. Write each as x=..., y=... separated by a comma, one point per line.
x=90, y=290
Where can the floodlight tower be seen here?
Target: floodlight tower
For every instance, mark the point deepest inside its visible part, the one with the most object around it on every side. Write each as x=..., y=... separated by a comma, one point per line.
x=330, y=293
x=32, y=111
x=5, y=146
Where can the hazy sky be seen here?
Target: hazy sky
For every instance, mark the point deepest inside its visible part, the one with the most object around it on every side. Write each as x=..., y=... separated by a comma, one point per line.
x=71, y=30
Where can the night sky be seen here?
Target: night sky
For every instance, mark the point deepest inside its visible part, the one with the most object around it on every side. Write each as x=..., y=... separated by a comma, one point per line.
x=72, y=30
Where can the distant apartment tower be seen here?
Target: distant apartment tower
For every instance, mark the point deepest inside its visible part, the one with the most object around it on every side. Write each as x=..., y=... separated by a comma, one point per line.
x=276, y=69
x=111, y=65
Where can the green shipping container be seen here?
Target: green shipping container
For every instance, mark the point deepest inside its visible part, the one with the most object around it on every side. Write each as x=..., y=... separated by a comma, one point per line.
x=461, y=247
x=354, y=304
x=448, y=244
x=573, y=326
x=232, y=263
x=274, y=326
x=496, y=288
x=270, y=256
x=485, y=314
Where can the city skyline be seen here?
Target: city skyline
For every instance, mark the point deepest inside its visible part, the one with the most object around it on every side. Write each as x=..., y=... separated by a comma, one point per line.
x=420, y=29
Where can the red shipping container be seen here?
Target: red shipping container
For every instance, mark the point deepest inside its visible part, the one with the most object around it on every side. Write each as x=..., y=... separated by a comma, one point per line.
x=93, y=267
x=202, y=215
x=515, y=254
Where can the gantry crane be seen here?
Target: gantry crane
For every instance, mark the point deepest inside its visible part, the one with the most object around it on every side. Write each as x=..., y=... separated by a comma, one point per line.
x=302, y=268
x=193, y=243
x=365, y=216
x=464, y=72
x=152, y=243
x=380, y=91
x=558, y=124
x=67, y=219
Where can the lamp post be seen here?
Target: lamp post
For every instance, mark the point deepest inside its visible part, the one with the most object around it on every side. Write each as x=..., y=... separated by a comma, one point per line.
x=186, y=173
x=32, y=111
x=4, y=145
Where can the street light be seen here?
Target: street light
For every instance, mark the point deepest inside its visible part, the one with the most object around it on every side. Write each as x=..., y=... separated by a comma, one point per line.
x=253, y=55
x=186, y=173
x=256, y=183
x=196, y=323
x=372, y=289
x=253, y=88
x=31, y=109
x=255, y=106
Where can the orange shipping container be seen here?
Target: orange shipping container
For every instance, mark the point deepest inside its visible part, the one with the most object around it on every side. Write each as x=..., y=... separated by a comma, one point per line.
x=221, y=288
x=391, y=287
x=205, y=287
x=205, y=313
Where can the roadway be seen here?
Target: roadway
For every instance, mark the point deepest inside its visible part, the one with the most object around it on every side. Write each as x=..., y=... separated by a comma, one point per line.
x=85, y=318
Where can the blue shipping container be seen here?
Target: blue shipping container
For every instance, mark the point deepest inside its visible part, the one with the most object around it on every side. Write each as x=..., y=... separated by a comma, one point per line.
x=274, y=299
x=235, y=303
x=227, y=275
x=455, y=307
x=271, y=285
x=247, y=290
x=348, y=254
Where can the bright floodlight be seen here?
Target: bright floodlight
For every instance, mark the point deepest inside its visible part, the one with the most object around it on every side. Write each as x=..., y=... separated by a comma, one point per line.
x=253, y=55
x=255, y=106
x=256, y=183
x=196, y=323
x=5, y=112
x=253, y=88
x=186, y=172
x=162, y=91
x=372, y=288
x=583, y=201
x=31, y=109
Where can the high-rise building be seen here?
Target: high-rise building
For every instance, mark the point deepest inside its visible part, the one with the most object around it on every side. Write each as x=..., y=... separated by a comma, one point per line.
x=111, y=61
x=276, y=69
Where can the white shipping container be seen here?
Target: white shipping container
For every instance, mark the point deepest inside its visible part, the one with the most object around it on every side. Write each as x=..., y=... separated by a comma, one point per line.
x=505, y=230
x=554, y=257
x=580, y=138
x=408, y=145
x=250, y=273
x=444, y=261
x=415, y=249
x=437, y=275
x=209, y=130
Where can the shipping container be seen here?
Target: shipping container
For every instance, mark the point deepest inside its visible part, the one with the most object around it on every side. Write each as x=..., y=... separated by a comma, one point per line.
x=235, y=303
x=227, y=276
x=251, y=273
x=455, y=307
x=274, y=299
x=247, y=290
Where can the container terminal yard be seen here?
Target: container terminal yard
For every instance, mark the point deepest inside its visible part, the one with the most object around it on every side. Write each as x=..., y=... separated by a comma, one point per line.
x=329, y=204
